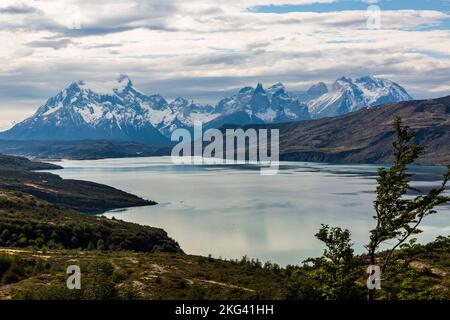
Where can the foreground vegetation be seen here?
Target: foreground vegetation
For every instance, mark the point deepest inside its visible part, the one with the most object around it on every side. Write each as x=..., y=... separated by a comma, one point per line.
x=28, y=221
x=399, y=211
x=421, y=272
x=121, y=260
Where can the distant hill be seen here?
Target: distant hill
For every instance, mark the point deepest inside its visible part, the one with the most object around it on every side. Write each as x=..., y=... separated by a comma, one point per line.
x=84, y=196
x=21, y=163
x=366, y=135
x=80, y=149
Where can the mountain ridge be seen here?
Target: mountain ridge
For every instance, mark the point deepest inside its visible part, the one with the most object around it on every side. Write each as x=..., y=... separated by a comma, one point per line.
x=359, y=137
x=83, y=111
x=365, y=136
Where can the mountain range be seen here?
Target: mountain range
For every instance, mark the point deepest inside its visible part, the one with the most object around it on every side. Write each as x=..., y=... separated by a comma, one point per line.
x=122, y=112
x=348, y=95
x=366, y=135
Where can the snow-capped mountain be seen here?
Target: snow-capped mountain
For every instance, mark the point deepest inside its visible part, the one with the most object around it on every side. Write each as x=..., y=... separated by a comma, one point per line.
x=118, y=111
x=121, y=112
x=256, y=105
x=314, y=92
x=78, y=112
x=348, y=95
x=83, y=111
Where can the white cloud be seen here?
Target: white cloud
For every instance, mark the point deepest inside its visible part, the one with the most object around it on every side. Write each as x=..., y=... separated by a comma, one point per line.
x=202, y=48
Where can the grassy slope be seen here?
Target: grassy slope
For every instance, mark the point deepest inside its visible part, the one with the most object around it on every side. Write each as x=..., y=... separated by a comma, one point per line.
x=179, y=276
x=152, y=275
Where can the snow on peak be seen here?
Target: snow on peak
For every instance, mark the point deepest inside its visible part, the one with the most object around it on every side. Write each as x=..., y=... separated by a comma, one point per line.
x=117, y=105
x=119, y=84
x=275, y=88
x=76, y=86
x=348, y=95
x=317, y=90
x=345, y=79
x=266, y=106
x=179, y=102
x=246, y=90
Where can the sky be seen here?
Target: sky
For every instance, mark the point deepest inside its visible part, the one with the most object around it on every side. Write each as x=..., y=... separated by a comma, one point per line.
x=205, y=49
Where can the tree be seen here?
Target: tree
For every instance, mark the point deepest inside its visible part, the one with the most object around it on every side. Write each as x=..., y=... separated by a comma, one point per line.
x=336, y=271
x=101, y=284
x=398, y=216
x=23, y=242
x=90, y=246
x=5, y=234
x=101, y=245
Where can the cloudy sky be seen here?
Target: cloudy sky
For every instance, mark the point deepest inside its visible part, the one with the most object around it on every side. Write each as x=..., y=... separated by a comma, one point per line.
x=205, y=49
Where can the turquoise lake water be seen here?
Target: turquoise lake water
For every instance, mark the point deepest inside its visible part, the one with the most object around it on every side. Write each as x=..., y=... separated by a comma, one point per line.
x=231, y=211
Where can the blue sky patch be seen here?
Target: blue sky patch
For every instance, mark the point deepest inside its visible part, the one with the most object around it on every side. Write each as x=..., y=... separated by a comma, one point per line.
x=352, y=5
x=346, y=5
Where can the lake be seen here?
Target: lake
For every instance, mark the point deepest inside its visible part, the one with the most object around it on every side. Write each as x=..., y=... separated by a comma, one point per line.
x=231, y=211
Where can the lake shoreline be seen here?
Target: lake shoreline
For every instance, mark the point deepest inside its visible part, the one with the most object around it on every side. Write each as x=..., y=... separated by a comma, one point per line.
x=22, y=175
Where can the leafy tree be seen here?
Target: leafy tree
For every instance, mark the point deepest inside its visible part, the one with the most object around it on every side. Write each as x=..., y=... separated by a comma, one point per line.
x=11, y=269
x=101, y=286
x=91, y=246
x=5, y=234
x=100, y=245
x=398, y=216
x=23, y=242
x=336, y=271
